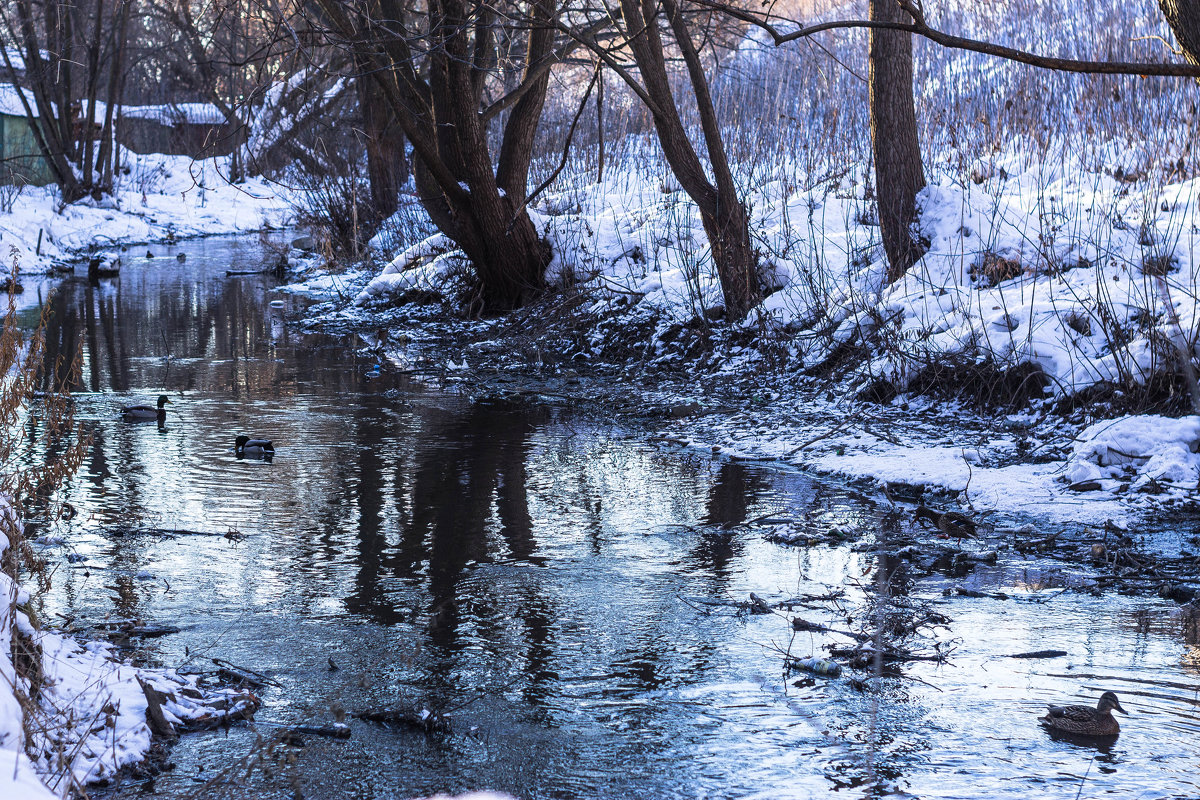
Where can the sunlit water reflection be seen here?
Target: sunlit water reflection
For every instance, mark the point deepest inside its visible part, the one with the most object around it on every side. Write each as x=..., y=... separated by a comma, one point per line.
x=541, y=574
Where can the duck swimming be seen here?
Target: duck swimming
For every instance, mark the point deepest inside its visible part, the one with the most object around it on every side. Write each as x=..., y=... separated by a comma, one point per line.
x=146, y=413
x=245, y=446
x=1085, y=720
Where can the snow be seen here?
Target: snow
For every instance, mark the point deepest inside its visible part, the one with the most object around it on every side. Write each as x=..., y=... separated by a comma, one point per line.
x=158, y=197
x=10, y=100
x=995, y=284
x=174, y=113
x=427, y=265
x=89, y=719
x=1151, y=447
x=327, y=286
x=1051, y=257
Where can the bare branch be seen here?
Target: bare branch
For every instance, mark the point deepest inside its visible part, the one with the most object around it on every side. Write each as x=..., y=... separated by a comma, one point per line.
x=922, y=28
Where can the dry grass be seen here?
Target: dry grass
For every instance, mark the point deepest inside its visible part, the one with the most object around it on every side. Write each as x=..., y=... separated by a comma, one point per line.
x=40, y=448
x=40, y=444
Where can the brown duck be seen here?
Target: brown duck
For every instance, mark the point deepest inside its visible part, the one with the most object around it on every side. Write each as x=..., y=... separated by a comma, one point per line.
x=1085, y=720
x=950, y=523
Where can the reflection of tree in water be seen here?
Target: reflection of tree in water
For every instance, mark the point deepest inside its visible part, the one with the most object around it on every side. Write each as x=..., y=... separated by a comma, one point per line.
x=465, y=482
x=733, y=492
x=1189, y=619
x=190, y=333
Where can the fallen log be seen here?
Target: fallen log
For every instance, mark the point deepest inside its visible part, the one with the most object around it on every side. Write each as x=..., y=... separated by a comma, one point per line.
x=335, y=731
x=243, y=675
x=423, y=720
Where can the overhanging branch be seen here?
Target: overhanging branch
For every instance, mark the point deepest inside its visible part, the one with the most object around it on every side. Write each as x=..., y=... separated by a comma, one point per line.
x=921, y=28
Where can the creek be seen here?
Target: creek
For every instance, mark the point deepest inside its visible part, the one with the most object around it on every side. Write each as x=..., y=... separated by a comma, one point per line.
x=553, y=580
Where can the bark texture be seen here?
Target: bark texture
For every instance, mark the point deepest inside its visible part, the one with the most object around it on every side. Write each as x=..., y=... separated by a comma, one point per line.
x=387, y=167
x=1184, y=18
x=899, y=174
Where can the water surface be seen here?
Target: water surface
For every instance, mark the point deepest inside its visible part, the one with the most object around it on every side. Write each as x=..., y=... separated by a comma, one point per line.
x=547, y=576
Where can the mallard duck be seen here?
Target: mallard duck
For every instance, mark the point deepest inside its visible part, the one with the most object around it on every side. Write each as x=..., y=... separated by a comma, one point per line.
x=146, y=413
x=1085, y=720
x=950, y=523
x=245, y=446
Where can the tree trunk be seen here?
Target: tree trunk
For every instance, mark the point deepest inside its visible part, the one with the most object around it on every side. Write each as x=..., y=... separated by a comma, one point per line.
x=387, y=168
x=726, y=222
x=508, y=256
x=116, y=77
x=1184, y=18
x=45, y=78
x=496, y=234
x=728, y=228
x=899, y=175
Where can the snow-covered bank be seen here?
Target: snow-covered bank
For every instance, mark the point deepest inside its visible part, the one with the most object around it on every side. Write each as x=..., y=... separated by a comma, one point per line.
x=158, y=197
x=1074, y=273
x=1117, y=471
x=73, y=714
x=1068, y=278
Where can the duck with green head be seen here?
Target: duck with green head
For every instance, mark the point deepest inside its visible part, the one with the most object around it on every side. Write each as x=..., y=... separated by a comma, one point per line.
x=1085, y=720
x=244, y=446
x=146, y=413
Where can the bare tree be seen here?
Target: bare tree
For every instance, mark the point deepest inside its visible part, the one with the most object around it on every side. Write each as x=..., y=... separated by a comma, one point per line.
x=56, y=38
x=225, y=52
x=452, y=72
x=725, y=217
x=899, y=174
x=773, y=25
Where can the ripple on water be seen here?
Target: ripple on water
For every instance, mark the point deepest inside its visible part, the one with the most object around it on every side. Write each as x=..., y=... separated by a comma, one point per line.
x=530, y=569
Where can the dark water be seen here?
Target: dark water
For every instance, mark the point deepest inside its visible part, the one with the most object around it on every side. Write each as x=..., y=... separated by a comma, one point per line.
x=546, y=577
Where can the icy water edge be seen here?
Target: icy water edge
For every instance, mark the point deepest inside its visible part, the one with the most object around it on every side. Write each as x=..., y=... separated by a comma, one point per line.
x=548, y=577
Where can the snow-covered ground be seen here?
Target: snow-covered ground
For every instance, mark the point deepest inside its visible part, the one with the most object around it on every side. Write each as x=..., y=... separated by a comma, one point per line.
x=158, y=198
x=1081, y=276
x=84, y=717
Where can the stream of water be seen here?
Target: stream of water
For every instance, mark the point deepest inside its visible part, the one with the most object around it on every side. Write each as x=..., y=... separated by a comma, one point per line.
x=550, y=578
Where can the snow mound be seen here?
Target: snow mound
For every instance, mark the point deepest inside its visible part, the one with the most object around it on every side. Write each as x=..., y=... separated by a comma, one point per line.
x=1142, y=448
x=426, y=266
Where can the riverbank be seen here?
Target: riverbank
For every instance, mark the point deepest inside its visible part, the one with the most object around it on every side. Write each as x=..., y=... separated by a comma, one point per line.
x=718, y=388
x=74, y=713
x=157, y=198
